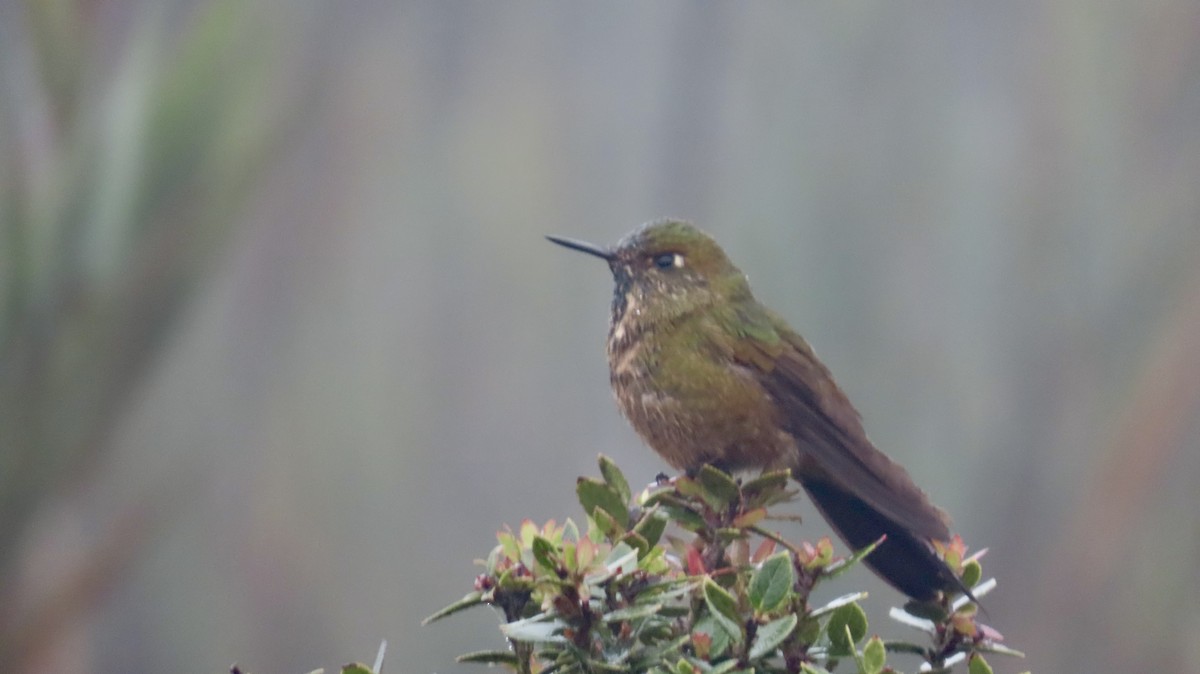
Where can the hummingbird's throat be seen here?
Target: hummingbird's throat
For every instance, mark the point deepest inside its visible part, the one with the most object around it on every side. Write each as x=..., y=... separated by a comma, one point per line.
x=626, y=311
x=623, y=295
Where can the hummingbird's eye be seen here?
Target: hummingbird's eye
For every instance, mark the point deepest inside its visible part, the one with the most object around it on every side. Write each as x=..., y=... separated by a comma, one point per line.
x=668, y=260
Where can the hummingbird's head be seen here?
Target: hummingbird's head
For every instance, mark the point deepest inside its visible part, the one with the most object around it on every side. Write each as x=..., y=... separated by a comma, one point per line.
x=665, y=269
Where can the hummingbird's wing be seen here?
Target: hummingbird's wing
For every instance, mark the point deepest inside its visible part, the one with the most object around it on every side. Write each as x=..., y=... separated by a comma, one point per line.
x=830, y=433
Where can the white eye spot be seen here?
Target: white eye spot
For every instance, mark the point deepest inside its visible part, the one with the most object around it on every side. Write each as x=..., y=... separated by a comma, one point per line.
x=668, y=260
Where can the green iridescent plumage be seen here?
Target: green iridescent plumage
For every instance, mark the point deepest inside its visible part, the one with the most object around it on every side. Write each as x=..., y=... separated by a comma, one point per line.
x=708, y=375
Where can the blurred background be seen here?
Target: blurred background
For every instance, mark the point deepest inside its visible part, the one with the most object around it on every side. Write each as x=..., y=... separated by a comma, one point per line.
x=281, y=345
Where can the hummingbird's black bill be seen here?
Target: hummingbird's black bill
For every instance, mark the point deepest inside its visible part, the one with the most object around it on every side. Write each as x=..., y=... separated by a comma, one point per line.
x=583, y=247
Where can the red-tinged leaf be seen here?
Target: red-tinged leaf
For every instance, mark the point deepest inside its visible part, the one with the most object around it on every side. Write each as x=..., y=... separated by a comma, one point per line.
x=695, y=563
x=820, y=556
x=764, y=550
x=807, y=552
x=586, y=553
x=702, y=643
x=713, y=635
x=953, y=552
x=988, y=632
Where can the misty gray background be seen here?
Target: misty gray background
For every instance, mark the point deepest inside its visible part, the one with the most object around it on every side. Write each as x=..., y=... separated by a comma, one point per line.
x=283, y=345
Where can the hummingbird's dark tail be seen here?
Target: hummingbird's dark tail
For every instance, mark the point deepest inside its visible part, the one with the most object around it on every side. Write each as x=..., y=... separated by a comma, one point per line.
x=904, y=560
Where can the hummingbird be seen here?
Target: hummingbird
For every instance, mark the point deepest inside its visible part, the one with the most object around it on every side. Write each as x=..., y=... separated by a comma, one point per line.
x=706, y=374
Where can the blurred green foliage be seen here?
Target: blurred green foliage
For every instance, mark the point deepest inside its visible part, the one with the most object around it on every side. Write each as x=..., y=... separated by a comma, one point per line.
x=116, y=203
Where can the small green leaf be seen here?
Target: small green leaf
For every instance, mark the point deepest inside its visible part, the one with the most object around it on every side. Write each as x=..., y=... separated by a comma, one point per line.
x=723, y=608
x=977, y=665
x=719, y=485
x=635, y=540
x=685, y=517
x=775, y=480
x=614, y=478
x=771, y=635
x=509, y=544
x=358, y=668
x=472, y=599
x=545, y=553
x=772, y=583
x=688, y=487
x=527, y=532
x=504, y=658
x=651, y=526
x=606, y=524
x=807, y=668
x=720, y=599
x=569, y=557
x=822, y=555
x=595, y=494
x=971, y=573
x=847, y=626
x=655, y=562
x=874, y=656
x=684, y=667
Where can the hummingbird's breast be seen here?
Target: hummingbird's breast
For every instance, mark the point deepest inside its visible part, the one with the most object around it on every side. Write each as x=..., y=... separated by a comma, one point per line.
x=689, y=401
